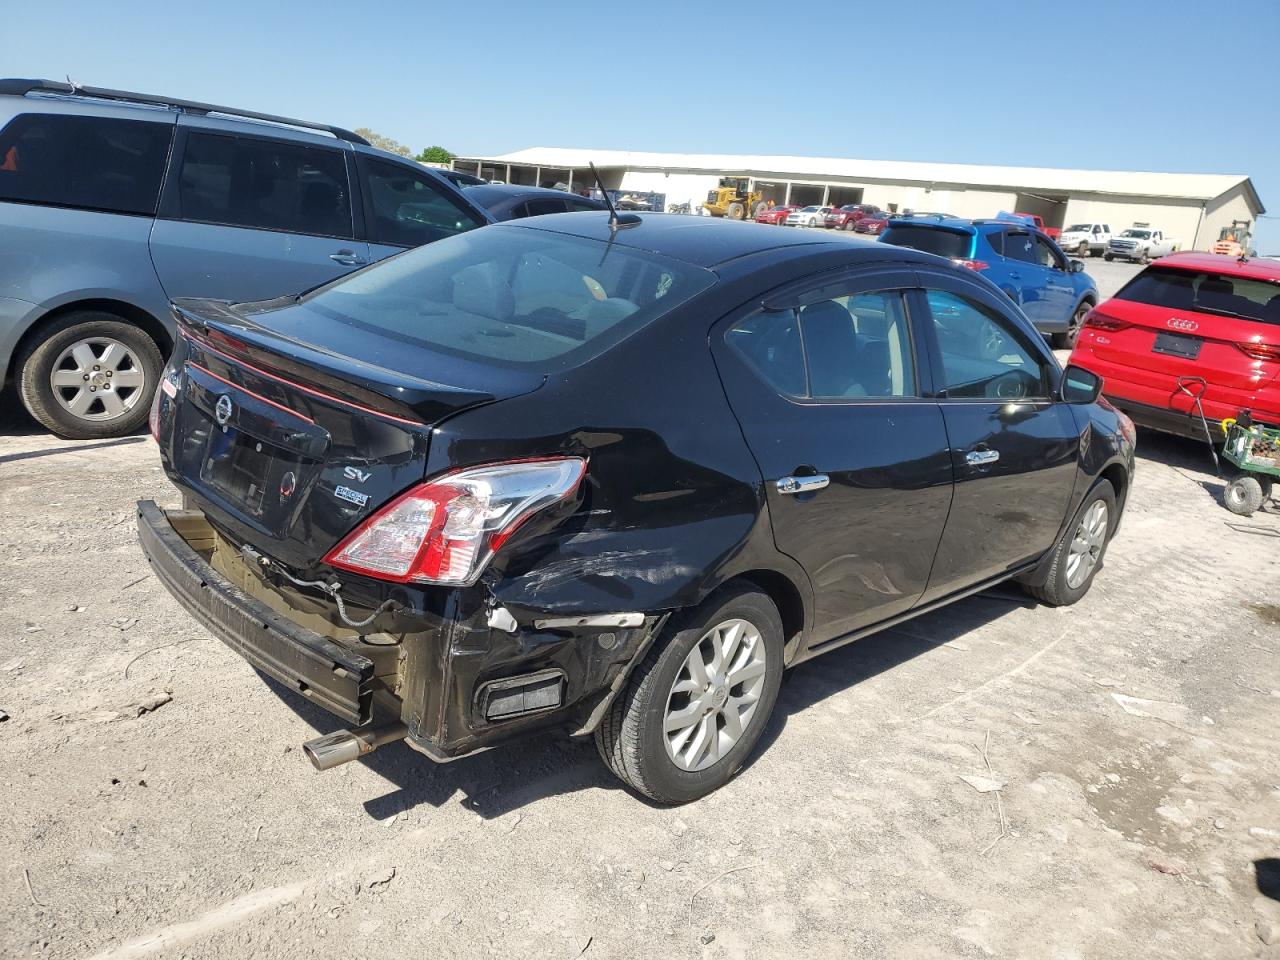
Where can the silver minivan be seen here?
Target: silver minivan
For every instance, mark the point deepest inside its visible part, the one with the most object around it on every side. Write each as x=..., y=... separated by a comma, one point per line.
x=114, y=203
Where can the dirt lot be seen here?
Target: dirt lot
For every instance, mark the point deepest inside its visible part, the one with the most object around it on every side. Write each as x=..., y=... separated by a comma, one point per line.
x=158, y=804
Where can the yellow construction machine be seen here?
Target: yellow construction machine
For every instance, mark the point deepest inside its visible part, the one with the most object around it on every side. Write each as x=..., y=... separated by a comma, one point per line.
x=733, y=199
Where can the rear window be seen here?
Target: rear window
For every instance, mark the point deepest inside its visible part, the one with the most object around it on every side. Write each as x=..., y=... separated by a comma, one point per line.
x=939, y=240
x=528, y=299
x=93, y=163
x=1241, y=297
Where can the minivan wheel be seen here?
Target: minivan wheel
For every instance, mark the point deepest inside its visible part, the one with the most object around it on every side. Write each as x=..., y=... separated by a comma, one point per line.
x=692, y=711
x=1078, y=556
x=91, y=377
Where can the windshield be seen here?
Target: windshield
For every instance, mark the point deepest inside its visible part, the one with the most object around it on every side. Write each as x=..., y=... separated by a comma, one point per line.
x=809, y=209
x=1139, y=234
x=530, y=299
x=1080, y=228
x=943, y=242
x=1241, y=297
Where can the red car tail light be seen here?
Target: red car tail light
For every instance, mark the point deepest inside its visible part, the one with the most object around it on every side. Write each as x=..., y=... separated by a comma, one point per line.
x=1105, y=322
x=971, y=264
x=1260, y=351
x=445, y=531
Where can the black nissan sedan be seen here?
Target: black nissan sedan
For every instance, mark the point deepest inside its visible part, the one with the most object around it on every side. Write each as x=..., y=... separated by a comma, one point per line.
x=614, y=479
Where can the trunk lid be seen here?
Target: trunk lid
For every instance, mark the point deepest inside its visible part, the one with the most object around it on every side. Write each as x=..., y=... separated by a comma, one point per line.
x=288, y=443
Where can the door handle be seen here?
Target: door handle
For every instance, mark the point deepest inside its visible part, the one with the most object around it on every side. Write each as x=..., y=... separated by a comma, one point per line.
x=794, y=485
x=348, y=258
x=978, y=458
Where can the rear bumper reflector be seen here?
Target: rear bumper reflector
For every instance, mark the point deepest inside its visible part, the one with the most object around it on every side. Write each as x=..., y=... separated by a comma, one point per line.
x=518, y=696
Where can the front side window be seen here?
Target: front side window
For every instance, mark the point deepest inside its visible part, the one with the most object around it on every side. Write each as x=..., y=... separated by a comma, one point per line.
x=982, y=356
x=1048, y=256
x=409, y=209
x=847, y=348
x=90, y=163
x=1019, y=245
x=528, y=299
x=265, y=185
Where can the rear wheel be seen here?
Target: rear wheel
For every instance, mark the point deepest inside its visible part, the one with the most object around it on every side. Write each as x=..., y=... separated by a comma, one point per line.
x=1083, y=249
x=693, y=710
x=1243, y=495
x=1078, y=556
x=1107, y=257
x=91, y=377
x=1067, y=340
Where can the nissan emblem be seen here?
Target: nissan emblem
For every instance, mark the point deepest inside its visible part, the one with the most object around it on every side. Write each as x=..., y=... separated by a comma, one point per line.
x=222, y=410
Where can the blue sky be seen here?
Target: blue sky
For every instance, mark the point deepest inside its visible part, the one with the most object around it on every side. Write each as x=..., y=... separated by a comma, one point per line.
x=1002, y=82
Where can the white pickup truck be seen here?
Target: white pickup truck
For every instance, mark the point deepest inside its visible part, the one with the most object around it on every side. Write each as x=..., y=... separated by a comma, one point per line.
x=1085, y=239
x=1141, y=243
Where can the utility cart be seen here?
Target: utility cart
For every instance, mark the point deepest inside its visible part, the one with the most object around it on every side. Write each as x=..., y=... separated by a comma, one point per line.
x=1255, y=449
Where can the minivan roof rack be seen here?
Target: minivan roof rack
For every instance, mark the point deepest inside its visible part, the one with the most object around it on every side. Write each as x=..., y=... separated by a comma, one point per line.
x=20, y=88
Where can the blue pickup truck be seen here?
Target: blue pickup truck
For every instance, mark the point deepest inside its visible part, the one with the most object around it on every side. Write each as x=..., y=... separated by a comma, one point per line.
x=1053, y=291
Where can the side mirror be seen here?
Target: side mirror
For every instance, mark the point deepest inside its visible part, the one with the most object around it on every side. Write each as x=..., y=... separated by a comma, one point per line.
x=1077, y=266
x=1079, y=385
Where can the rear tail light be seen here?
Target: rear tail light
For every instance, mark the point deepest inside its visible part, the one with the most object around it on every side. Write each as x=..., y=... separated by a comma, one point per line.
x=971, y=264
x=1105, y=322
x=446, y=531
x=168, y=388
x=1260, y=351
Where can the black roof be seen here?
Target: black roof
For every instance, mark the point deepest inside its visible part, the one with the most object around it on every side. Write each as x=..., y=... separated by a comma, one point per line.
x=705, y=241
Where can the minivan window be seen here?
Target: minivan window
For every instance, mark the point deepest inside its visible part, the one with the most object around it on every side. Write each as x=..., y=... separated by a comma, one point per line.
x=529, y=299
x=1242, y=297
x=409, y=209
x=91, y=163
x=265, y=185
x=953, y=244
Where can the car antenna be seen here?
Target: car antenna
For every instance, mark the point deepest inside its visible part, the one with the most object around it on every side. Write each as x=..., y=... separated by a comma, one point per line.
x=615, y=220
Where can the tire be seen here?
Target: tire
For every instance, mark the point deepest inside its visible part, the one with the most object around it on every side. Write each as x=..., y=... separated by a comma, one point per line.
x=1067, y=340
x=1083, y=250
x=108, y=410
x=735, y=211
x=1268, y=487
x=848, y=225
x=631, y=737
x=1145, y=258
x=1243, y=495
x=1062, y=588
x=1107, y=257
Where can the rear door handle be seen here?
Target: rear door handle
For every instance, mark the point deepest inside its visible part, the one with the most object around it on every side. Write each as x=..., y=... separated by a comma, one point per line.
x=794, y=485
x=978, y=458
x=348, y=258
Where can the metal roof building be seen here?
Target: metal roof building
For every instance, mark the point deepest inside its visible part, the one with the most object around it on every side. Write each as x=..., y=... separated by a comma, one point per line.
x=1192, y=207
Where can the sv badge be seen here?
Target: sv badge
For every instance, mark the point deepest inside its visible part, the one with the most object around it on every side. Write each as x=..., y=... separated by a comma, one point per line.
x=356, y=474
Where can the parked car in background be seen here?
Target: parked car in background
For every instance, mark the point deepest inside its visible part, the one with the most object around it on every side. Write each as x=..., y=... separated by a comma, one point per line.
x=811, y=216
x=1191, y=317
x=873, y=225
x=1055, y=293
x=458, y=178
x=113, y=203
x=1037, y=221
x=482, y=520
x=1140, y=244
x=846, y=217
x=512, y=202
x=1086, y=239
x=775, y=215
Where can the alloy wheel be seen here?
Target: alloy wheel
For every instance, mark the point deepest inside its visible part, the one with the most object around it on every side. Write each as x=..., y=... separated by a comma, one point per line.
x=714, y=695
x=98, y=379
x=1086, y=546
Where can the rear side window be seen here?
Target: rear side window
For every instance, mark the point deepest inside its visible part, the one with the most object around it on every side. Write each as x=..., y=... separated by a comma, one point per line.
x=530, y=299
x=408, y=209
x=1242, y=297
x=92, y=163
x=846, y=348
x=952, y=244
x=536, y=208
x=1020, y=246
x=265, y=185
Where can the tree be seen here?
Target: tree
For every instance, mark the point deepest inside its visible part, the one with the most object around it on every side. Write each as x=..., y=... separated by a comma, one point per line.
x=434, y=155
x=384, y=143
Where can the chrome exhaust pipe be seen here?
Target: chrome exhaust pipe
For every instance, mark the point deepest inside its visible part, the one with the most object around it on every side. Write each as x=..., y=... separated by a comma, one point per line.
x=335, y=749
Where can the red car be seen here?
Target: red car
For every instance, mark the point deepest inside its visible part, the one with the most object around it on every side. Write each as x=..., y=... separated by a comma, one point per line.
x=872, y=225
x=1191, y=317
x=777, y=215
x=847, y=217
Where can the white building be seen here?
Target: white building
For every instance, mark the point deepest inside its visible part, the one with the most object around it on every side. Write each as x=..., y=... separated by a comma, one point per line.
x=1191, y=207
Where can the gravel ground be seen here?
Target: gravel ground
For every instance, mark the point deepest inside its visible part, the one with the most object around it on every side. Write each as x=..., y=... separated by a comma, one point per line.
x=157, y=802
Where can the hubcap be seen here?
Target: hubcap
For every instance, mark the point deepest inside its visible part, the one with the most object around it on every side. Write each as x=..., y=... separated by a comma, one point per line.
x=1087, y=544
x=98, y=379
x=715, y=695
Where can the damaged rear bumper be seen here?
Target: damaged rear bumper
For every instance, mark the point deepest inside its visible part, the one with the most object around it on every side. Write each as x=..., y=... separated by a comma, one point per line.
x=462, y=680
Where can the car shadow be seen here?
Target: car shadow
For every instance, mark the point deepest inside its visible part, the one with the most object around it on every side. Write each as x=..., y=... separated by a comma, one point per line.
x=546, y=764
x=1266, y=874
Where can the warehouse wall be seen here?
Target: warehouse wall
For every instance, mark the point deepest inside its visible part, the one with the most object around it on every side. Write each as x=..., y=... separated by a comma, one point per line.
x=1178, y=219
x=1220, y=211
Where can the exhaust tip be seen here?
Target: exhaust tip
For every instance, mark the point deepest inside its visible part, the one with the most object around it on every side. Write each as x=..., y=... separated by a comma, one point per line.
x=334, y=749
